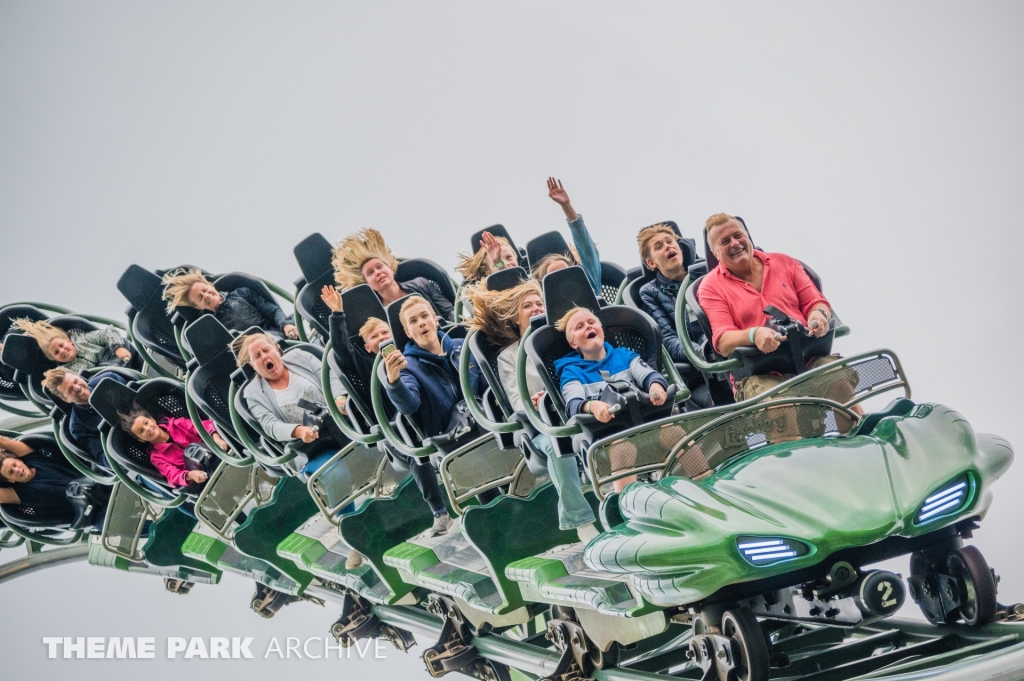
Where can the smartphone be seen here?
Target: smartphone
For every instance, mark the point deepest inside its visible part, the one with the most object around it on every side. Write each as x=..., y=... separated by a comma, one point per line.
x=387, y=349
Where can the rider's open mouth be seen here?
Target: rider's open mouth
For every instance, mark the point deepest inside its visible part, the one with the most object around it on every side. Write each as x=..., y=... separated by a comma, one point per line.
x=270, y=365
x=591, y=335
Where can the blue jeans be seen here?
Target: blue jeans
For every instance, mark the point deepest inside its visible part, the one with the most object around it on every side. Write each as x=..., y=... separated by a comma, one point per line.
x=573, y=509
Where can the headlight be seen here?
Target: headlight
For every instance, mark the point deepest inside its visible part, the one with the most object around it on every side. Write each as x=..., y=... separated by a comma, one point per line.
x=946, y=501
x=761, y=551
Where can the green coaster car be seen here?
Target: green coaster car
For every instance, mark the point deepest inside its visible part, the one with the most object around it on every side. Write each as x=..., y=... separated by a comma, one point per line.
x=773, y=509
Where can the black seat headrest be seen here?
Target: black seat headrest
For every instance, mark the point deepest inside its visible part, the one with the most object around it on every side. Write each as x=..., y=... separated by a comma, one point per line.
x=565, y=289
x=476, y=240
x=142, y=289
x=421, y=267
x=9, y=313
x=22, y=353
x=208, y=339
x=314, y=256
x=395, y=322
x=110, y=399
x=506, y=278
x=360, y=304
x=546, y=244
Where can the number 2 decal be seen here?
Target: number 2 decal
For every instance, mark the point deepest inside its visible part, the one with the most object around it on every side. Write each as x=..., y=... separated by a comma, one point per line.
x=887, y=600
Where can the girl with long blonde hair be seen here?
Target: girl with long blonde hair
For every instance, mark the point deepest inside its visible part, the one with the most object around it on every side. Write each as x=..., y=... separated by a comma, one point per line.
x=78, y=350
x=503, y=317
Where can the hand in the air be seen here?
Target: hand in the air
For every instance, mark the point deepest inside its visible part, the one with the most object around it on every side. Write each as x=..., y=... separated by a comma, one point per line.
x=331, y=298
x=492, y=246
x=557, y=192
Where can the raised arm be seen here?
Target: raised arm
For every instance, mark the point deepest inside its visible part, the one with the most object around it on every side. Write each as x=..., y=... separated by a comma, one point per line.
x=18, y=449
x=586, y=249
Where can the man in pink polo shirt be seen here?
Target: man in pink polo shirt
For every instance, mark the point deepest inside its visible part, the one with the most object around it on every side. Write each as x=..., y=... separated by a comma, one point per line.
x=735, y=293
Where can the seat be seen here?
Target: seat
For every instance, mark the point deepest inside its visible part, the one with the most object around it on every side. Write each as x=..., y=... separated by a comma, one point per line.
x=493, y=411
x=208, y=385
x=623, y=327
x=314, y=255
x=149, y=322
x=506, y=278
x=278, y=457
x=10, y=382
x=161, y=397
x=476, y=241
x=550, y=243
x=421, y=267
x=790, y=358
x=23, y=354
x=76, y=510
x=83, y=461
x=225, y=283
x=361, y=303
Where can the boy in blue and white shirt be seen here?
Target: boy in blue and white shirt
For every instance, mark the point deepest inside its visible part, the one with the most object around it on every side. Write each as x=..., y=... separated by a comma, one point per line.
x=579, y=373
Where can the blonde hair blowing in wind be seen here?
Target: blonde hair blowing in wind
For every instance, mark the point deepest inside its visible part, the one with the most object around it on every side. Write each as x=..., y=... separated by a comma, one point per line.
x=43, y=333
x=240, y=346
x=177, y=285
x=496, y=313
x=354, y=251
x=473, y=267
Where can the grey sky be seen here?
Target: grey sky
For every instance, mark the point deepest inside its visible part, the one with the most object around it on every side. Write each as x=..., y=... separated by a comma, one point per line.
x=879, y=142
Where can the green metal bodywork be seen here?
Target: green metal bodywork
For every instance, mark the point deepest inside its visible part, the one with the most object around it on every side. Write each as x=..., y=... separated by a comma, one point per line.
x=495, y=536
x=678, y=544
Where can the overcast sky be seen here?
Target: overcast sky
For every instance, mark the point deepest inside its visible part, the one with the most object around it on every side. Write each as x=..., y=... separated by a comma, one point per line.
x=879, y=142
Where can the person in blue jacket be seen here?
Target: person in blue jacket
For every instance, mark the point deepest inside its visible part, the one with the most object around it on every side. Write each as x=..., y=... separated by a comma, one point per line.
x=584, y=251
x=579, y=372
x=423, y=382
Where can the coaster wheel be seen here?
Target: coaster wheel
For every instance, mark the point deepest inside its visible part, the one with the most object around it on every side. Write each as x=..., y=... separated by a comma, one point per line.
x=750, y=650
x=977, y=585
x=603, y=659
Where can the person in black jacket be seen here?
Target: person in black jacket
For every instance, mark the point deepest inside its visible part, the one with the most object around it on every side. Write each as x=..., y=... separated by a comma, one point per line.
x=237, y=310
x=84, y=421
x=354, y=361
x=364, y=258
x=660, y=252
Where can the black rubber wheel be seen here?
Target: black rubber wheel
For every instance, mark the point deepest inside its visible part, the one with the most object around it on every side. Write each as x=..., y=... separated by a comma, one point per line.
x=604, y=659
x=752, y=660
x=978, y=602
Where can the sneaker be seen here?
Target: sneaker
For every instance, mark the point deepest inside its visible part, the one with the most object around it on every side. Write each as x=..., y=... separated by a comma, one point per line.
x=354, y=560
x=587, y=532
x=440, y=526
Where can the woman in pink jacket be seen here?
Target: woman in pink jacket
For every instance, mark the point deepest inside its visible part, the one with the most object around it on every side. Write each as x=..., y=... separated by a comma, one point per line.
x=168, y=440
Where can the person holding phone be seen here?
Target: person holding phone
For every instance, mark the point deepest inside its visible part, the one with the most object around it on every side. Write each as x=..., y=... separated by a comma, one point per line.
x=352, y=359
x=423, y=382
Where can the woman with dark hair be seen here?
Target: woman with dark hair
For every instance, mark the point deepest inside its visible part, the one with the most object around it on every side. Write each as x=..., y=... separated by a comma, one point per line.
x=168, y=440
